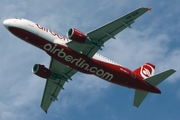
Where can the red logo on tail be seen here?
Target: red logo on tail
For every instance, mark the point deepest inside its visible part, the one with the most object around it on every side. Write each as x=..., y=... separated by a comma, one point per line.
x=147, y=70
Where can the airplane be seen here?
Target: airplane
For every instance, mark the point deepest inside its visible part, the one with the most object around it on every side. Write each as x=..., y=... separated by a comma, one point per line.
x=78, y=53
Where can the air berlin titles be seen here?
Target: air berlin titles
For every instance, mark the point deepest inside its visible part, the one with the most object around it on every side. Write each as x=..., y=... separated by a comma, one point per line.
x=51, y=32
x=79, y=62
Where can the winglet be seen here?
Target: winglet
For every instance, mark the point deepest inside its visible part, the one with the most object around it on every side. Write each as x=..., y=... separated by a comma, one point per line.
x=149, y=9
x=45, y=111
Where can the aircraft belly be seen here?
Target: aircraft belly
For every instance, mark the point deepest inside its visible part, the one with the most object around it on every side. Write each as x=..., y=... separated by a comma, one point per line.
x=77, y=61
x=27, y=36
x=109, y=72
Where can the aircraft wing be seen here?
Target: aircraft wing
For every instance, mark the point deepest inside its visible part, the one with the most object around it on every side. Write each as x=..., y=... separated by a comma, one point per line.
x=55, y=84
x=102, y=34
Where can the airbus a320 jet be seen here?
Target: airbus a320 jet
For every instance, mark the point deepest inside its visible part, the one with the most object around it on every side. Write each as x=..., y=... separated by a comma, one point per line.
x=78, y=53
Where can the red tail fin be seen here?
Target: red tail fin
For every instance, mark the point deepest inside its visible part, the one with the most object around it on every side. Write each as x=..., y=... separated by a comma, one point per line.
x=145, y=71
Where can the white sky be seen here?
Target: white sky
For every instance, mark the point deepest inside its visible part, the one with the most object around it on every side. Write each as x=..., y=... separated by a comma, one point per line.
x=154, y=38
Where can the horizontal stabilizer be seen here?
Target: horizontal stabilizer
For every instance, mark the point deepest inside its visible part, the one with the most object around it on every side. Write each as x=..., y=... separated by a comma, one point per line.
x=139, y=96
x=158, y=78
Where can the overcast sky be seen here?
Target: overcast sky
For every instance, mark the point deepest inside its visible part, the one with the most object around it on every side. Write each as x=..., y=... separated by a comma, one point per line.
x=154, y=38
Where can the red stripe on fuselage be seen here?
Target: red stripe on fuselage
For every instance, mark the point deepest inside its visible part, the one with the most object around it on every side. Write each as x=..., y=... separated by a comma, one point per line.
x=109, y=72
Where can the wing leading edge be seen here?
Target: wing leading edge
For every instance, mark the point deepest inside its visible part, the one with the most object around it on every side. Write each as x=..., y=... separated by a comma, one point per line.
x=55, y=84
x=102, y=34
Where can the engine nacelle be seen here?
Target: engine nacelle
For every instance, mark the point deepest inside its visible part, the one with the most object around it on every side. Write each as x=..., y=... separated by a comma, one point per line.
x=41, y=71
x=76, y=35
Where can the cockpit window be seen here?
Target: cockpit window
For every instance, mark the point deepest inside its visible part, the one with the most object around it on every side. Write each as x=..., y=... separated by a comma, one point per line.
x=18, y=18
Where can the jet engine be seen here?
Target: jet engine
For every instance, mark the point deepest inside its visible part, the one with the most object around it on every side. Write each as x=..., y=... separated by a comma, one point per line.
x=76, y=35
x=41, y=71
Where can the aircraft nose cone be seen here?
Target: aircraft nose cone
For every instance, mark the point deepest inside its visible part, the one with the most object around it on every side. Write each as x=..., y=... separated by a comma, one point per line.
x=6, y=23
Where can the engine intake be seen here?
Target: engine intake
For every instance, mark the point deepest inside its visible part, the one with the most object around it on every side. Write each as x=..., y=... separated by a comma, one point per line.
x=76, y=35
x=41, y=71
